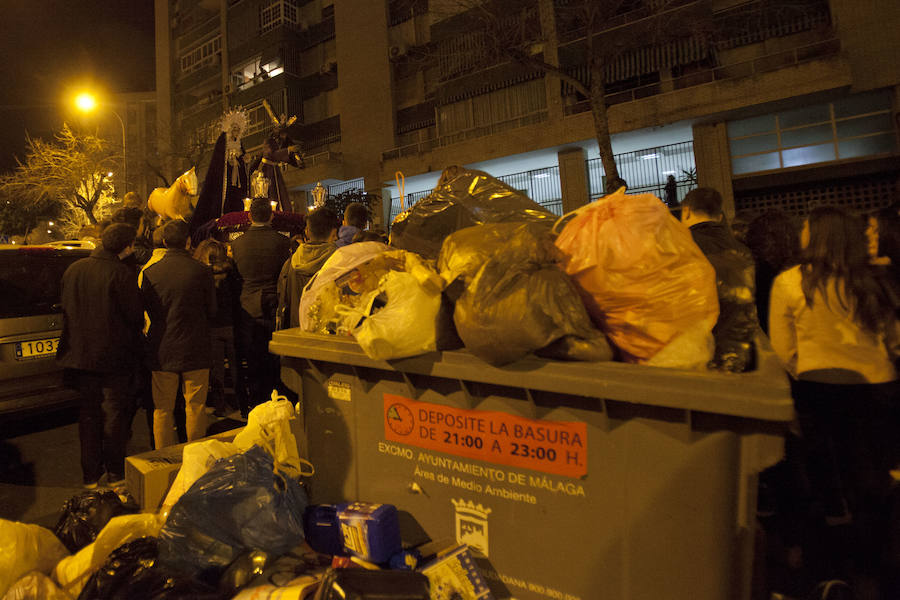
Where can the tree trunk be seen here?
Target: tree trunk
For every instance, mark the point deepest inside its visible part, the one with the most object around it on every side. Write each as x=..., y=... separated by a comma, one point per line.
x=601, y=124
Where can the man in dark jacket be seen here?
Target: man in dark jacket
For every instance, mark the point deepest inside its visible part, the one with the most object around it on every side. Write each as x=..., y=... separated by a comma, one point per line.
x=259, y=255
x=701, y=210
x=303, y=264
x=100, y=348
x=180, y=298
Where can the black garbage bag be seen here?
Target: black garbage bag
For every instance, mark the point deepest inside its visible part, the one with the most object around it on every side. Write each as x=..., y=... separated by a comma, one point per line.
x=133, y=571
x=243, y=570
x=462, y=198
x=512, y=298
x=84, y=515
x=242, y=503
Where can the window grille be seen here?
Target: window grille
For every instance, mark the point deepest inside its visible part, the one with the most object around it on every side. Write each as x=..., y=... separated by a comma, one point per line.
x=201, y=55
x=861, y=194
x=279, y=12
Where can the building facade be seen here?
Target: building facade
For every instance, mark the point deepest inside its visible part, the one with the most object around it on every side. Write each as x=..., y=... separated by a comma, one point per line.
x=776, y=104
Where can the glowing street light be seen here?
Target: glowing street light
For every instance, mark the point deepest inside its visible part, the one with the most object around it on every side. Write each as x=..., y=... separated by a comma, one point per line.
x=87, y=102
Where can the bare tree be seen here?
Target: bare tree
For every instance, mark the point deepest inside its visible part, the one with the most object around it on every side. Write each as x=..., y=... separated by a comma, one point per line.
x=602, y=31
x=183, y=153
x=68, y=178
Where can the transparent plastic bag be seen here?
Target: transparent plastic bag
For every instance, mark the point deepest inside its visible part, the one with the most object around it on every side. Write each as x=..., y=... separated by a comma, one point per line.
x=642, y=277
x=334, y=285
x=24, y=548
x=35, y=586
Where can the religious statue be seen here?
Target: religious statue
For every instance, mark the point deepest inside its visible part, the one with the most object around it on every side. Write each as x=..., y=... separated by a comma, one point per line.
x=226, y=184
x=278, y=151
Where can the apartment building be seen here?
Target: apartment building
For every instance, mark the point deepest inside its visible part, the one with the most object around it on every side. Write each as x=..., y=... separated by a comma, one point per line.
x=776, y=104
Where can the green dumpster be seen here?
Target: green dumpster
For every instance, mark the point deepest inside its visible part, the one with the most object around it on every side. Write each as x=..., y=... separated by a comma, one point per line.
x=569, y=480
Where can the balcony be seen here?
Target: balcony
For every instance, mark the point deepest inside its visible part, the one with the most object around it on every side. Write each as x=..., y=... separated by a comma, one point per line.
x=700, y=76
x=425, y=146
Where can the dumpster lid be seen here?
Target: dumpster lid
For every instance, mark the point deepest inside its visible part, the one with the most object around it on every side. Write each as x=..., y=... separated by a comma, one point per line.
x=761, y=394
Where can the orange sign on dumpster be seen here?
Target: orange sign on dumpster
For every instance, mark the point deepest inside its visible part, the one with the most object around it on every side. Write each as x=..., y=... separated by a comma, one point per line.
x=558, y=447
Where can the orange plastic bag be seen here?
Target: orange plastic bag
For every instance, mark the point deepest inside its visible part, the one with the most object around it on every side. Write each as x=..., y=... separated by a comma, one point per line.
x=644, y=281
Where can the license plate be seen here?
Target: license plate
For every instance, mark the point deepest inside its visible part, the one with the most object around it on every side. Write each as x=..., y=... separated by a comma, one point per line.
x=36, y=348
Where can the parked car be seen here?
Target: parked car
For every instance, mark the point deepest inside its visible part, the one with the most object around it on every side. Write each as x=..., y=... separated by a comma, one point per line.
x=73, y=244
x=30, y=326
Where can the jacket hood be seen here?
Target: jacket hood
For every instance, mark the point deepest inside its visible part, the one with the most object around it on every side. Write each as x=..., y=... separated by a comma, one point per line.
x=309, y=257
x=345, y=235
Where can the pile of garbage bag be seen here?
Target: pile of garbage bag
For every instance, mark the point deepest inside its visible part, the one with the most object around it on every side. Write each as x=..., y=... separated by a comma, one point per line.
x=462, y=198
x=236, y=524
x=479, y=265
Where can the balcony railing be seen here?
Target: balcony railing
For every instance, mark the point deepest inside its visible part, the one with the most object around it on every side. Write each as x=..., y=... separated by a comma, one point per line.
x=422, y=147
x=748, y=68
x=321, y=158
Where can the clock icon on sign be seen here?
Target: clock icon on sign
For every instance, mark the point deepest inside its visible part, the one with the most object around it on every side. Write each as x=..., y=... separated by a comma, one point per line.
x=400, y=419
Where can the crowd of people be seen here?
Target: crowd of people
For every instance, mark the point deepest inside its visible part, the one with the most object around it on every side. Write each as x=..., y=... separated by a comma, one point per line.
x=150, y=322
x=827, y=294
x=149, y=319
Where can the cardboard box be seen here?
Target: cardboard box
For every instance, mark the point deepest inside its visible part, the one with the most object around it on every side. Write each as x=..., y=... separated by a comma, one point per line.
x=148, y=476
x=454, y=575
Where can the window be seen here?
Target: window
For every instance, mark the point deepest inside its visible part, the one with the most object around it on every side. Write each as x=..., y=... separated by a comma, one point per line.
x=252, y=72
x=852, y=127
x=279, y=12
x=486, y=110
x=200, y=56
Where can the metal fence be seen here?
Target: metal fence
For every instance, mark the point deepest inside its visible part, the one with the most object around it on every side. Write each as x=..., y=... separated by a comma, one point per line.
x=541, y=185
x=339, y=188
x=644, y=170
x=410, y=200
x=648, y=170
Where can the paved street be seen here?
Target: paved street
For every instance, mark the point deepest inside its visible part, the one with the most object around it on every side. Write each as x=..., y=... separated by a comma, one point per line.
x=40, y=464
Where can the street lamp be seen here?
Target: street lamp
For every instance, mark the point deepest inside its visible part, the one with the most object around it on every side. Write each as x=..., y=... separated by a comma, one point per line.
x=86, y=102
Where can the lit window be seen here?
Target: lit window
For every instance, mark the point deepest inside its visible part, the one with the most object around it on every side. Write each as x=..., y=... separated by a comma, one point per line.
x=852, y=127
x=252, y=72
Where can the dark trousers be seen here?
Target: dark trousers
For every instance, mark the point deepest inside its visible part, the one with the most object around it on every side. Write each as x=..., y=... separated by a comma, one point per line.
x=849, y=445
x=223, y=348
x=106, y=404
x=262, y=367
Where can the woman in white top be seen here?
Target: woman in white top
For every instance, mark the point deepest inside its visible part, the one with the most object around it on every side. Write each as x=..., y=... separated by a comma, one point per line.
x=834, y=328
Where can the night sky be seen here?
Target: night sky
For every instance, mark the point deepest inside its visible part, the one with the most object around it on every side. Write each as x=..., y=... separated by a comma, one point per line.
x=51, y=47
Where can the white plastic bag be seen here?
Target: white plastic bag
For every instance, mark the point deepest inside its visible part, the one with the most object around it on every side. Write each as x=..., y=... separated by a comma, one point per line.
x=407, y=324
x=269, y=426
x=343, y=261
x=25, y=547
x=35, y=586
x=197, y=458
x=73, y=572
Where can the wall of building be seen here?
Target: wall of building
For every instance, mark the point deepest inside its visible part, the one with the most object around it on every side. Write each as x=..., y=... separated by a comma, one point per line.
x=364, y=87
x=868, y=32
